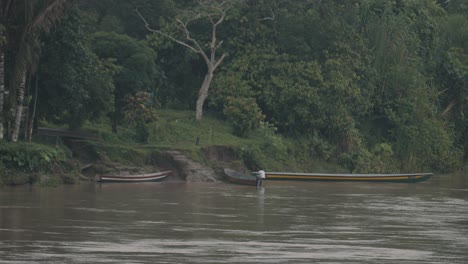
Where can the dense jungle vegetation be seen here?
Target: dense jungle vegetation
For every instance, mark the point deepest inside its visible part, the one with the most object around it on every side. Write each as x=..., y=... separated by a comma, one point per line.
x=371, y=85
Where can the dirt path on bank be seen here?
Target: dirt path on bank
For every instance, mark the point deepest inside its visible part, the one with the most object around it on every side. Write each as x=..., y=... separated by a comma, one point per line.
x=190, y=170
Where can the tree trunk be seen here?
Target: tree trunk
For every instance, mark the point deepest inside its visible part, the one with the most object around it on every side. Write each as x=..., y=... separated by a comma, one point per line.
x=114, y=122
x=26, y=109
x=30, y=124
x=2, y=91
x=203, y=94
x=19, y=109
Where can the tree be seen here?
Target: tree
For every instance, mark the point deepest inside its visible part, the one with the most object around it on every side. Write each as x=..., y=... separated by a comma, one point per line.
x=452, y=70
x=74, y=84
x=136, y=60
x=24, y=21
x=114, y=15
x=215, y=12
x=405, y=104
x=139, y=111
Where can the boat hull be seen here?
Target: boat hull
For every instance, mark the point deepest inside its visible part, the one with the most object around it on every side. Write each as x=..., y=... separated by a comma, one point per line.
x=409, y=177
x=135, y=178
x=239, y=178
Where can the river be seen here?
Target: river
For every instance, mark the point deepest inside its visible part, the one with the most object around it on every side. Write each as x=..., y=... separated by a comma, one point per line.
x=284, y=222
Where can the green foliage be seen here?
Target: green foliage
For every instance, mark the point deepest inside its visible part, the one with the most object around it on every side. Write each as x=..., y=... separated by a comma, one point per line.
x=179, y=130
x=118, y=16
x=74, y=85
x=138, y=112
x=285, y=88
x=142, y=133
x=338, y=77
x=124, y=154
x=231, y=83
x=138, y=109
x=253, y=157
x=243, y=113
x=29, y=156
x=456, y=7
x=319, y=147
x=365, y=72
x=380, y=159
x=272, y=142
x=134, y=58
x=179, y=70
x=24, y=22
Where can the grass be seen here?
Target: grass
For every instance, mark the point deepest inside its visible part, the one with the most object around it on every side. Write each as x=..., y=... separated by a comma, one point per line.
x=178, y=130
x=173, y=129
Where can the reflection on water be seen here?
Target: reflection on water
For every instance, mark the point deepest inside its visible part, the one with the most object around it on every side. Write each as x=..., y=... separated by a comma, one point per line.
x=293, y=222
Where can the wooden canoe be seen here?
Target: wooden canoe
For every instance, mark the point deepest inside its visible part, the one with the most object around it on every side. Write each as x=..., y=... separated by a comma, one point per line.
x=408, y=177
x=239, y=178
x=157, y=176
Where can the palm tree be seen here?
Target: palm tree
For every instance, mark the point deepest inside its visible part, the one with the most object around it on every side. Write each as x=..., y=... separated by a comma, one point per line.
x=24, y=20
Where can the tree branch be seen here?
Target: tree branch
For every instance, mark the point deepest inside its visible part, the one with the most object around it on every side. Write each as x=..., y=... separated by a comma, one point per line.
x=219, y=61
x=147, y=26
x=198, y=49
x=211, y=61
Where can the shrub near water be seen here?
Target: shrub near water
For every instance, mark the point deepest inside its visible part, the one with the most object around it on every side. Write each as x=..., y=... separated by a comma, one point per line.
x=30, y=156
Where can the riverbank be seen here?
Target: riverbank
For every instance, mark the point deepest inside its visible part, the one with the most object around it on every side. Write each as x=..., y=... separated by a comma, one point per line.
x=195, y=151
x=85, y=160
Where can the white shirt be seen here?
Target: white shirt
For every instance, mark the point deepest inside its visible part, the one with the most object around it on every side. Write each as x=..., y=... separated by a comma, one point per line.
x=261, y=174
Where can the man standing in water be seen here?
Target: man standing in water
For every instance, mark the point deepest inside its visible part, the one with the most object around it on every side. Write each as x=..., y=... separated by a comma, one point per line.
x=260, y=177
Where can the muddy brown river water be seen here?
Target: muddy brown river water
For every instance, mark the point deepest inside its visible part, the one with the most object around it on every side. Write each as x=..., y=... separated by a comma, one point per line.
x=285, y=222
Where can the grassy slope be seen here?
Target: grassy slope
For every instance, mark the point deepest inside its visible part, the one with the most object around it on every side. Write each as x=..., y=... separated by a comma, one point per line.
x=179, y=130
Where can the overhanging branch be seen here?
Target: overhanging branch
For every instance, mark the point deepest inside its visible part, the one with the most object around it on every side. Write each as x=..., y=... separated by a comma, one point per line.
x=148, y=27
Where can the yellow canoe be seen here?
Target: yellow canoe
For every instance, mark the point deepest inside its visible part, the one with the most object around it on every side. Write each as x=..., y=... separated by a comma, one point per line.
x=405, y=177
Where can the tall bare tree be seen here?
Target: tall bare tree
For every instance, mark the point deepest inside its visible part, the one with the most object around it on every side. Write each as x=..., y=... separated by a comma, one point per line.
x=215, y=12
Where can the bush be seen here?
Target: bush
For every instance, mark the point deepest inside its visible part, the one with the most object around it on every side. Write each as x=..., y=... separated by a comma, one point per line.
x=252, y=157
x=320, y=148
x=138, y=109
x=243, y=113
x=141, y=132
x=29, y=156
x=378, y=160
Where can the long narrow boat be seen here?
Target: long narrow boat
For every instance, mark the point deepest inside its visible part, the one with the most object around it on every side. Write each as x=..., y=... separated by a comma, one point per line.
x=157, y=176
x=239, y=178
x=406, y=177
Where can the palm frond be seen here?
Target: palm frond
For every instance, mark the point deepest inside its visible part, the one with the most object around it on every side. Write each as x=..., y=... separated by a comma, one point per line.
x=47, y=14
